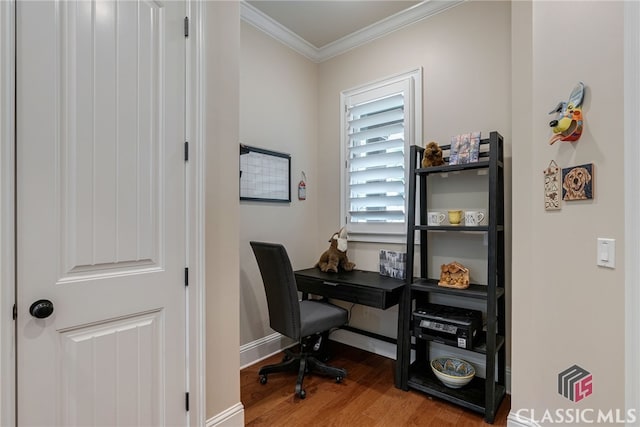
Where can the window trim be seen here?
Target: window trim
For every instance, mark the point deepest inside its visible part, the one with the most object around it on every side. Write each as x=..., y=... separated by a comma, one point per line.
x=395, y=233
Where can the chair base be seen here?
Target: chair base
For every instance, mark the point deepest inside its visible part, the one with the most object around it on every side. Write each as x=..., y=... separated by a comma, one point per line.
x=303, y=362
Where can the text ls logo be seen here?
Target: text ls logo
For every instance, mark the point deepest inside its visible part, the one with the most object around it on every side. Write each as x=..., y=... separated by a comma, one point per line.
x=575, y=383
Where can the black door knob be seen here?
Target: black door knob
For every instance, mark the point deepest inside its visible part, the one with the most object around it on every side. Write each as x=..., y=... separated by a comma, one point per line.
x=41, y=308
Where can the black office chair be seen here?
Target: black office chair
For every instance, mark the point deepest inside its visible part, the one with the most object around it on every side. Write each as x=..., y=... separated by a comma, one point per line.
x=307, y=322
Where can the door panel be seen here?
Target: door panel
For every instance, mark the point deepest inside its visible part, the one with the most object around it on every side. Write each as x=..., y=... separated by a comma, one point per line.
x=112, y=180
x=131, y=348
x=101, y=216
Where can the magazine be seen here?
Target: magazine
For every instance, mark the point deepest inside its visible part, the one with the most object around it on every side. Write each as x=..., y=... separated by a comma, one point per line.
x=465, y=148
x=453, y=152
x=474, y=151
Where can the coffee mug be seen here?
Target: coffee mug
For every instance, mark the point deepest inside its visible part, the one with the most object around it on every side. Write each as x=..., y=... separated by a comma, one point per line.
x=473, y=218
x=435, y=218
x=455, y=216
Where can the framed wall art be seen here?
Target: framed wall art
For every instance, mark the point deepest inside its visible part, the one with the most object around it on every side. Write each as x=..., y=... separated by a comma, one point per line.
x=578, y=182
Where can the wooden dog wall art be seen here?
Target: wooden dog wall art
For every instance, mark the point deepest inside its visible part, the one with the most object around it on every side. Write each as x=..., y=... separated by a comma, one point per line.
x=577, y=182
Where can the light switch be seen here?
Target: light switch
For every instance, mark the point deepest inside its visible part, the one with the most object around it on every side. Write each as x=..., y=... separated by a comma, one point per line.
x=606, y=252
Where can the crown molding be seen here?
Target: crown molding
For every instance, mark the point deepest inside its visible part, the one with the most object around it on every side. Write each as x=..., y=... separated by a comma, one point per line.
x=386, y=26
x=255, y=17
x=381, y=28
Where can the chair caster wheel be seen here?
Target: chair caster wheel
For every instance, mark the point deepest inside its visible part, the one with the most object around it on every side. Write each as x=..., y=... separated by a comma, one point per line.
x=300, y=391
x=338, y=380
x=263, y=379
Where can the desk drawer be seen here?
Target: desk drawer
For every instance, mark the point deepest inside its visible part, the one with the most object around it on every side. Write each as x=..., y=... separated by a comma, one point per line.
x=346, y=292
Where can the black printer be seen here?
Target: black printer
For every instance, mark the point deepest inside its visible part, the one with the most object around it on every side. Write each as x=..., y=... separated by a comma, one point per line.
x=459, y=327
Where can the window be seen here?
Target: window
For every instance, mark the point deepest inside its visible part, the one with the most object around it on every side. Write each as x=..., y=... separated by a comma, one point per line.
x=380, y=121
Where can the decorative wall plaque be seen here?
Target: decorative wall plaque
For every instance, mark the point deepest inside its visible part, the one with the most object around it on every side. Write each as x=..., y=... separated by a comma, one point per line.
x=552, y=187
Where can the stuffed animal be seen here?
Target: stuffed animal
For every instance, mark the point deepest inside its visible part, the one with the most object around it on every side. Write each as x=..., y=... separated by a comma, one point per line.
x=336, y=256
x=432, y=155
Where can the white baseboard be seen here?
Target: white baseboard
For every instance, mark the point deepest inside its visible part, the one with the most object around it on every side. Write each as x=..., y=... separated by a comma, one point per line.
x=514, y=420
x=231, y=417
x=255, y=351
x=262, y=348
x=364, y=342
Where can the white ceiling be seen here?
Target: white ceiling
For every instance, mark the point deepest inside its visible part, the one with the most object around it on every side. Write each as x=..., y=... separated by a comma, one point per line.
x=320, y=30
x=324, y=22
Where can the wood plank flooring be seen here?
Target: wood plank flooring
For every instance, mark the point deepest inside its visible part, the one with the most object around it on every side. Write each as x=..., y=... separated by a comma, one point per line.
x=367, y=398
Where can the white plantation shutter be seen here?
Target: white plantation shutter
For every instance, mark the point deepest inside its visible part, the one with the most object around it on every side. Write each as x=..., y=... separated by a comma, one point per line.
x=379, y=126
x=376, y=160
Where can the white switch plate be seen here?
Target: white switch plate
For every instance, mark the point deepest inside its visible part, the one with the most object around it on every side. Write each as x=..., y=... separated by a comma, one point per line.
x=606, y=256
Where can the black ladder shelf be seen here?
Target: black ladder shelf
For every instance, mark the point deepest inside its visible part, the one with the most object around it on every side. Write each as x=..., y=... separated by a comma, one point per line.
x=480, y=395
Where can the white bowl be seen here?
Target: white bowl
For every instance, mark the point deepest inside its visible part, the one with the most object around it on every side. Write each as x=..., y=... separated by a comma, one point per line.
x=454, y=373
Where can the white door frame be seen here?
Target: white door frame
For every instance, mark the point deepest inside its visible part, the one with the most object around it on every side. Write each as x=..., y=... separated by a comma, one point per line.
x=195, y=81
x=7, y=246
x=195, y=213
x=632, y=204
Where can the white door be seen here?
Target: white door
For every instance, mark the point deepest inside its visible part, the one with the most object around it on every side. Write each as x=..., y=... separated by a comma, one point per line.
x=101, y=213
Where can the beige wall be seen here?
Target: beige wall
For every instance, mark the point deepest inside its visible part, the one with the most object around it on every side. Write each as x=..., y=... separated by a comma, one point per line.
x=278, y=111
x=222, y=43
x=566, y=310
x=465, y=56
x=503, y=66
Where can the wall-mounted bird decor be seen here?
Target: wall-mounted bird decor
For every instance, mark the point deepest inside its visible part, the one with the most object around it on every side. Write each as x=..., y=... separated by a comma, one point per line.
x=567, y=126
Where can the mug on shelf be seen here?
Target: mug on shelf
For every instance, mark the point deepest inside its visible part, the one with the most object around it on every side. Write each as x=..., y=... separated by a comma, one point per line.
x=435, y=218
x=455, y=216
x=473, y=218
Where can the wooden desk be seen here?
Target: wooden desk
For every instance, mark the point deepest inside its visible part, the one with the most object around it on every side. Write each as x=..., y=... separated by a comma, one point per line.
x=358, y=286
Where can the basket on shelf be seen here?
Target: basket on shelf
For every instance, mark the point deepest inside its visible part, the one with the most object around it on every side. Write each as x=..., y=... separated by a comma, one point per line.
x=454, y=275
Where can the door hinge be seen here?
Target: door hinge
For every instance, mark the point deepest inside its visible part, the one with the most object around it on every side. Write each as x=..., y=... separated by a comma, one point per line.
x=186, y=151
x=186, y=401
x=186, y=276
x=15, y=312
x=186, y=26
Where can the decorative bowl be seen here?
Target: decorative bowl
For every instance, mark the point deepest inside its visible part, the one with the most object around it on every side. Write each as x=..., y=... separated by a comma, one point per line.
x=454, y=373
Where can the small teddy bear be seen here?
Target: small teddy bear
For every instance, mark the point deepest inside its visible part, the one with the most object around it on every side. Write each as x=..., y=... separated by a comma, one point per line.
x=432, y=155
x=336, y=255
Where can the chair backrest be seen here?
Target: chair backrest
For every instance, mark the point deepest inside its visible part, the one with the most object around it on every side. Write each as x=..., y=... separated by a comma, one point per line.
x=280, y=288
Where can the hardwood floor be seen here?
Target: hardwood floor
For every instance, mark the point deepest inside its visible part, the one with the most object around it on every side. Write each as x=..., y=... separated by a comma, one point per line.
x=367, y=397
